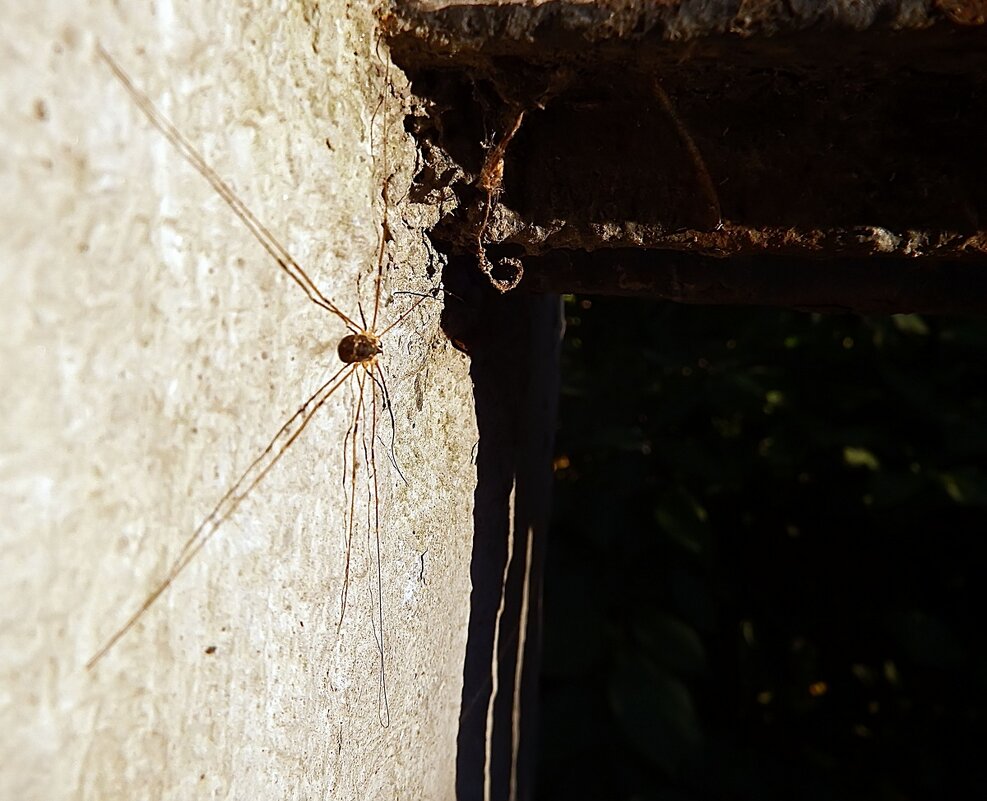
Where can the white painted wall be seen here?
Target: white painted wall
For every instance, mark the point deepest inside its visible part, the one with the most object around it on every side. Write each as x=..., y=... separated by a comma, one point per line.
x=150, y=348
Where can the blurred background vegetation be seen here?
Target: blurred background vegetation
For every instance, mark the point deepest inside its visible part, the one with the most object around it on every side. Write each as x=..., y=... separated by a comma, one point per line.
x=768, y=548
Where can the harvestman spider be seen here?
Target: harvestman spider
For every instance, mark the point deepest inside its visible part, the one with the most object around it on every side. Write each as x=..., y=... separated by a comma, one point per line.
x=358, y=351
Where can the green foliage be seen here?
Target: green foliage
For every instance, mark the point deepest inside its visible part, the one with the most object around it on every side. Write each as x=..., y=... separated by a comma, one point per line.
x=767, y=555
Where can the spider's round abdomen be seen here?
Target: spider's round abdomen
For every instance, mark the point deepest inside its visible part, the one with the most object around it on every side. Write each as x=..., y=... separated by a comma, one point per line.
x=358, y=348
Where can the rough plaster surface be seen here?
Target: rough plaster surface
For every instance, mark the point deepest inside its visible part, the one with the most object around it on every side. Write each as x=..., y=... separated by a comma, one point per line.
x=150, y=349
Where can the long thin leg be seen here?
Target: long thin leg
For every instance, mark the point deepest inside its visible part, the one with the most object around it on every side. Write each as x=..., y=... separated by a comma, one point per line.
x=384, y=230
x=382, y=385
x=383, y=709
x=404, y=314
x=698, y=162
x=346, y=442
x=233, y=497
x=351, y=517
x=255, y=226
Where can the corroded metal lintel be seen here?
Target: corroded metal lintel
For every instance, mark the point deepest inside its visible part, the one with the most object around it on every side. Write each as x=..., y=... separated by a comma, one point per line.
x=824, y=131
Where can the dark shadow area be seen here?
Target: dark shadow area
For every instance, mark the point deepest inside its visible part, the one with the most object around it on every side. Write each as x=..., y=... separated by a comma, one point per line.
x=767, y=558
x=513, y=342
x=791, y=139
x=865, y=285
x=784, y=147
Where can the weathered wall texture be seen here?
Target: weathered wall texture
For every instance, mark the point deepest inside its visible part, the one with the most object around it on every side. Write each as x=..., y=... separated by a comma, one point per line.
x=150, y=349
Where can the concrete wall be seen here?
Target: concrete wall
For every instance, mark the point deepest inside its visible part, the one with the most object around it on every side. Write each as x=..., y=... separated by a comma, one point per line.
x=150, y=350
